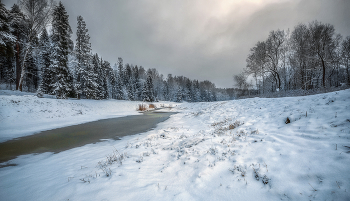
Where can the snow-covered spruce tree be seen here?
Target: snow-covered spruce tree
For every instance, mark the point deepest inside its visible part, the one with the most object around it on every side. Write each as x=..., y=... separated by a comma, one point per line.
x=189, y=91
x=108, y=79
x=112, y=84
x=104, y=77
x=100, y=87
x=129, y=82
x=119, y=80
x=147, y=92
x=196, y=91
x=91, y=86
x=32, y=77
x=47, y=75
x=83, y=55
x=6, y=42
x=62, y=46
x=131, y=89
x=180, y=95
x=118, y=87
x=137, y=84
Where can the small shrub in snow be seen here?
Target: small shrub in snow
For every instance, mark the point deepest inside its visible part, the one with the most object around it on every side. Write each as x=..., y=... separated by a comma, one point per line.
x=265, y=180
x=115, y=157
x=287, y=120
x=183, y=136
x=140, y=159
x=153, y=152
x=40, y=94
x=142, y=107
x=213, y=151
x=235, y=125
x=211, y=164
x=232, y=170
x=256, y=174
x=241, y=133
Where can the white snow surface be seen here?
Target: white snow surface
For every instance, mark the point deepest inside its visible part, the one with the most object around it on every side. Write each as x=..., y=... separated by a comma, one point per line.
x=232, y=150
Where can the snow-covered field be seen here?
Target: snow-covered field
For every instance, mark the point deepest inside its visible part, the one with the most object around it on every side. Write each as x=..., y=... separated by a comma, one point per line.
x=234, y=150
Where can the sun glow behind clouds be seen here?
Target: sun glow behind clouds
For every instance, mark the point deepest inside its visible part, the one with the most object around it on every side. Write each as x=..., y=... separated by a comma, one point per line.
x=239, y=8
x=215, y=20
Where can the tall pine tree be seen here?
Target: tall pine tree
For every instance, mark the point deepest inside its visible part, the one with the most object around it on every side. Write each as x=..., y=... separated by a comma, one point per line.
x=6, y=42
x=47, y=75
x=62, y=46
x=83, y=56
x=147, y=92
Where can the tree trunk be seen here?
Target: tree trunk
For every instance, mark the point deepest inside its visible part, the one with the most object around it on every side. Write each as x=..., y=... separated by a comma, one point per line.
x=20, y=85
x=347, y=70
x=278, y=81
x=323, y=70
x=18, y=66
x=323, y=74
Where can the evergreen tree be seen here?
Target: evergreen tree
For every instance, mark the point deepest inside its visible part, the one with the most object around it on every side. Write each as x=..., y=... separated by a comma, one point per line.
x=108, y=74
x=62, y=46
x=6, y=42
x=47, y=75
x=100, y=87
x=83, y=56
x=147, y=92
x=118, y=87
x=103, y=77
x=129, y=82
x=121, y=70
x=189, y=91
x=179, y=95
x=138, y=89
x=91, y=85
x=196, y=91
x=32, y=77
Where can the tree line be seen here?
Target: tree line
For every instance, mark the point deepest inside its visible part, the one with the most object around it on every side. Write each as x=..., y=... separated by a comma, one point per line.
x=310, y=56
x=45, y=60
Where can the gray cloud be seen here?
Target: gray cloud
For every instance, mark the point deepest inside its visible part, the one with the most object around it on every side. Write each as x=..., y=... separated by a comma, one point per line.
x=198, y=39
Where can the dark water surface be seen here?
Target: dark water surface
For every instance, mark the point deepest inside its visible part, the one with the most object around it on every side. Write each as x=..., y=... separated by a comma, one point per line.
x=62, y=139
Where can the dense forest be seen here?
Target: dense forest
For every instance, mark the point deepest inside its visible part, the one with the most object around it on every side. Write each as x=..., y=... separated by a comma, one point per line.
x=311, y=56
x=38, y=55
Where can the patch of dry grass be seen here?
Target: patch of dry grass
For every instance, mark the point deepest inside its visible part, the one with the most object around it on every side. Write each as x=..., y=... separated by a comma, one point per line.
x=142, y=107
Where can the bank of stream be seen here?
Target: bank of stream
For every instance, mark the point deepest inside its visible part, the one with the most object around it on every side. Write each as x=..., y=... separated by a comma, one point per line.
x=62, y=139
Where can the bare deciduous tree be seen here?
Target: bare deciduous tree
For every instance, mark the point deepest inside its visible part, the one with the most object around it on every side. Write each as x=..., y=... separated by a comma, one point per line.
x=38, y=14
x=274, y=54
x=345, y=52
x=256, y=62
x=322, y=45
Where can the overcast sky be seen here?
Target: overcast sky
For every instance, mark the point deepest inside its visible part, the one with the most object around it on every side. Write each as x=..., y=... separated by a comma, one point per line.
x=199, y=39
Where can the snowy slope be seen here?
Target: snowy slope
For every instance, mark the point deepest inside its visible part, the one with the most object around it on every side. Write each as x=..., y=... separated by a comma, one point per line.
x=24, y=113
x=234, y=150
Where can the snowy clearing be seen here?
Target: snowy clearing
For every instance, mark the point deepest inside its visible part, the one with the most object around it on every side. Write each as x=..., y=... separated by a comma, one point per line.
x=232, y=150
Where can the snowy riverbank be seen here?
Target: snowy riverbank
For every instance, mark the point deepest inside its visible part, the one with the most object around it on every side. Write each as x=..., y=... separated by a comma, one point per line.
x=24, y=113
x=233, y=150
